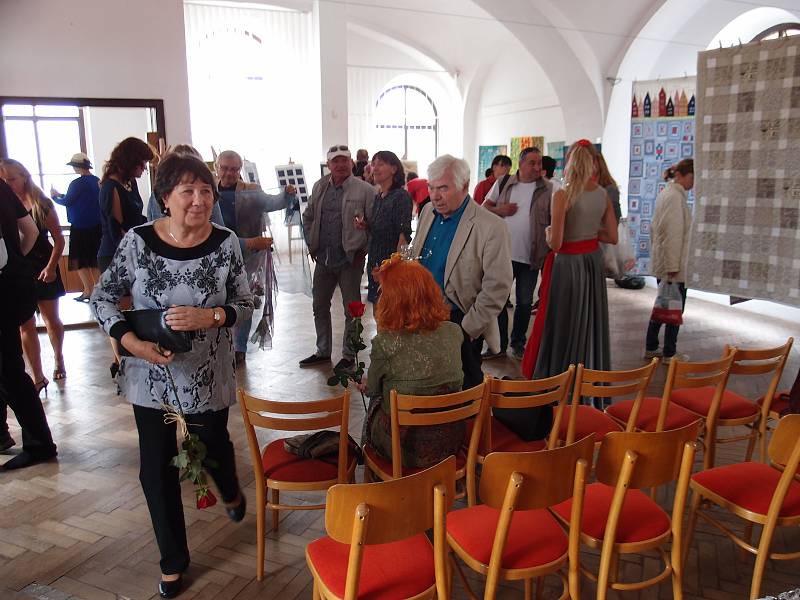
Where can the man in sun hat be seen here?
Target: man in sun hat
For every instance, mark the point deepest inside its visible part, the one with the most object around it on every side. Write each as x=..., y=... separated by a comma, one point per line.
x=335, y=225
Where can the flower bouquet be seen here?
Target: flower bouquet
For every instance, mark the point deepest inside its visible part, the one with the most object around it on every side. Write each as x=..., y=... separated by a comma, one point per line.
x=354, y=344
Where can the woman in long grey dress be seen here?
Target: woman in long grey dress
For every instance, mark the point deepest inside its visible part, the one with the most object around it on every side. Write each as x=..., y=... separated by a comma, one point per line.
x=193, y=270
x=572, y=323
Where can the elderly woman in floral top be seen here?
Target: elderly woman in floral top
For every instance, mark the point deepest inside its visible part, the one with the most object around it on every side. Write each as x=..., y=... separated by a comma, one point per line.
x=193, y=270
x=417, y=351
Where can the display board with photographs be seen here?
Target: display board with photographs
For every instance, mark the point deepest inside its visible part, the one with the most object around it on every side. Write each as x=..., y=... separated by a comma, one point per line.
x=292, y=174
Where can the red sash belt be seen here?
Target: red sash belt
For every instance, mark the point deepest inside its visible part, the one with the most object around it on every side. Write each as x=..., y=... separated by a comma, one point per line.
x=535, y=339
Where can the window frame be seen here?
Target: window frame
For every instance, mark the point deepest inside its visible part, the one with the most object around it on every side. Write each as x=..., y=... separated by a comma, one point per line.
x=781, y=29
x=405, y=126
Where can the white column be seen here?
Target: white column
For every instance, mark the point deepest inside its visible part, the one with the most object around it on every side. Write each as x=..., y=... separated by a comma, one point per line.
x=330, y=21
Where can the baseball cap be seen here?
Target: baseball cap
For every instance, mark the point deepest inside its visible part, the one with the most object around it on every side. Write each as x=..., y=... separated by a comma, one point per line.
x=335, y=151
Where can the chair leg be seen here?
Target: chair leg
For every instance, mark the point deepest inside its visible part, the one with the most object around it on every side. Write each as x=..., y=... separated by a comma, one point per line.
x=761, y=559
x=711, y=449
x=539, y=588
x=762, y=440
x=751, y=443
x=529, y=589
x=275, y=499
x=687, y=537
x=747, y=537
x=261, y=534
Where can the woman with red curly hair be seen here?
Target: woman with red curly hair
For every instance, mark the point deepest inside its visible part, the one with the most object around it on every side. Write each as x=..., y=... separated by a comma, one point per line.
x=417, y=351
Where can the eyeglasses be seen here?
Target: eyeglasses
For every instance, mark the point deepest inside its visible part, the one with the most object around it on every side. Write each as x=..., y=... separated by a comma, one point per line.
x=335, y=148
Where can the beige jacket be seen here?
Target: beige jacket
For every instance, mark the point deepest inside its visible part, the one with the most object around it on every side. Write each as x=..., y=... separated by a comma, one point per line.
x=477, y=275
x=670, y=233
x=357, y=199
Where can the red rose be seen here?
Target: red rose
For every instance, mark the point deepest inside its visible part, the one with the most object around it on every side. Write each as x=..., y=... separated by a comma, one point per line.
x=356, y=309
x=205, y=499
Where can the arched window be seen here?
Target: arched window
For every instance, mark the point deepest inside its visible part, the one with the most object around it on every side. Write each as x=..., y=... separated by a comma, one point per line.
x=407, y=123
x=778, y=31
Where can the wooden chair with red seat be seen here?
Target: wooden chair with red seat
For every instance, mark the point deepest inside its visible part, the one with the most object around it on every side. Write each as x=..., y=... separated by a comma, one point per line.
x=528, y=393
x=761, y=494
x=276, y=469
x=376, y=546
x=659, y=414
x=619, y=518
x=732, y=409
x=580, y=420
x=416, y=411
x=512, y=535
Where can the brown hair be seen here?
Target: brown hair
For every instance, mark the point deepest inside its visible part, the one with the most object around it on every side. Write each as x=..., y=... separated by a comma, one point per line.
x=411, y=300
x=173, y=169
x=685, y=167
x=125, y=157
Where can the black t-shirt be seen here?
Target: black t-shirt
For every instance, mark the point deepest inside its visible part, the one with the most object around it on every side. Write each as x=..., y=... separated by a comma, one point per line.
x=16, y=307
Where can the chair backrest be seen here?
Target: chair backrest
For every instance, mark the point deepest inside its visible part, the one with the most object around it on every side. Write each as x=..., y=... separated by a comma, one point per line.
x=658, y=455
x=610, y=384
x=762, y=361
x=388, y=511
x=784, y=446
x=713, y=373
x=296, y=416
x=529, y=393
x=547, y=475
x=414, y=411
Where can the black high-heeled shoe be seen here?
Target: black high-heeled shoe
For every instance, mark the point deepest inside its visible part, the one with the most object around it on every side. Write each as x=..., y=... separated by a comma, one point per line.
x=170, y=589
x=41, y=385
x=114, y=368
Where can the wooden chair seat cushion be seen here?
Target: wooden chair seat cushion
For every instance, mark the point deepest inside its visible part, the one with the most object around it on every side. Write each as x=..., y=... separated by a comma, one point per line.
x=698, y=400
x=749, y=485
x=284, y=466
x=505, y=440
x=386, y=465
x=535, y=538
x=397, y=570
x=677, y=416
x=589, y=420
x=641, y=518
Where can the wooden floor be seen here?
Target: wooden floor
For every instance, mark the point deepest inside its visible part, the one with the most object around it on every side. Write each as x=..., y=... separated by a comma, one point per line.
x=79, y=528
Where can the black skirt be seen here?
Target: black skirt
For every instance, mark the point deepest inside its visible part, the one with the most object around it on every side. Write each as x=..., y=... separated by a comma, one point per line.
x=52, y=290
x=83, y=246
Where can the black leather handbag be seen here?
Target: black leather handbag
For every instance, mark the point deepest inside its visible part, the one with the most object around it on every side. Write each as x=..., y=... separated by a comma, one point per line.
x=149, y=324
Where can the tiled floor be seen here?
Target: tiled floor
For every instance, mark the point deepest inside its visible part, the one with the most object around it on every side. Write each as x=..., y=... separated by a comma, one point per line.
x=79, y=528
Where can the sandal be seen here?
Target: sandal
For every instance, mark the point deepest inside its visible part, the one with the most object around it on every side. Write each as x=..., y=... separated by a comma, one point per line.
x=41, y=385
x=59, y=372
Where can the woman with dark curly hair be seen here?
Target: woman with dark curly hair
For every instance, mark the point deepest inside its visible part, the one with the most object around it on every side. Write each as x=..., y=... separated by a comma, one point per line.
x=390, y=225
x=417, y=351
x=192, y=270
x=121, y=206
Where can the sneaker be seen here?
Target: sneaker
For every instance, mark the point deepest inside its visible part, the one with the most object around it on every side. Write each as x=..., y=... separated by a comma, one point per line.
x=678, y=357
x=489, y=355
x=346, y=364
x=314, y=359
x=518, y=353
x=648, y=354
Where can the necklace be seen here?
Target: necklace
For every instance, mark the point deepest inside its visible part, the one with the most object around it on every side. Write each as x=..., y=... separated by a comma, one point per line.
x=172, y=235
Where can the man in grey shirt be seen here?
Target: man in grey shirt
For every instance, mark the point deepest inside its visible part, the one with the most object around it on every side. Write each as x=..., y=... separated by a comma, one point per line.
x=335, y=224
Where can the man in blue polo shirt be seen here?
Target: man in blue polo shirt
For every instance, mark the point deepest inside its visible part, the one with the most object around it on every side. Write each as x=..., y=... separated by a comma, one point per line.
x=467, y=250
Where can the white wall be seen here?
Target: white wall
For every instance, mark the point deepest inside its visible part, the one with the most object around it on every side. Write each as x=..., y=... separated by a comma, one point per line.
x=106, y=127
x=90, y=49
x=518, y=99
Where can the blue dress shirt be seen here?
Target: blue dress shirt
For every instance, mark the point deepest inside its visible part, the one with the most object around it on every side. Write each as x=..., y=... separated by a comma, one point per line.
x=438, y=241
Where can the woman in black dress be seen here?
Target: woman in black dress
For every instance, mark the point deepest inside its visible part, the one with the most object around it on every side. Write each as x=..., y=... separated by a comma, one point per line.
x=390, y=225
x=121, y=206
x=43, y=260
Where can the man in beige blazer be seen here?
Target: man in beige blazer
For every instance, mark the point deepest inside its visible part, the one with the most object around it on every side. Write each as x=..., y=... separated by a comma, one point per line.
x=467, y=250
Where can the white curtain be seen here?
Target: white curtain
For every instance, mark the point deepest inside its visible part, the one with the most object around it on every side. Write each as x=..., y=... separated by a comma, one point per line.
x=251, y=85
